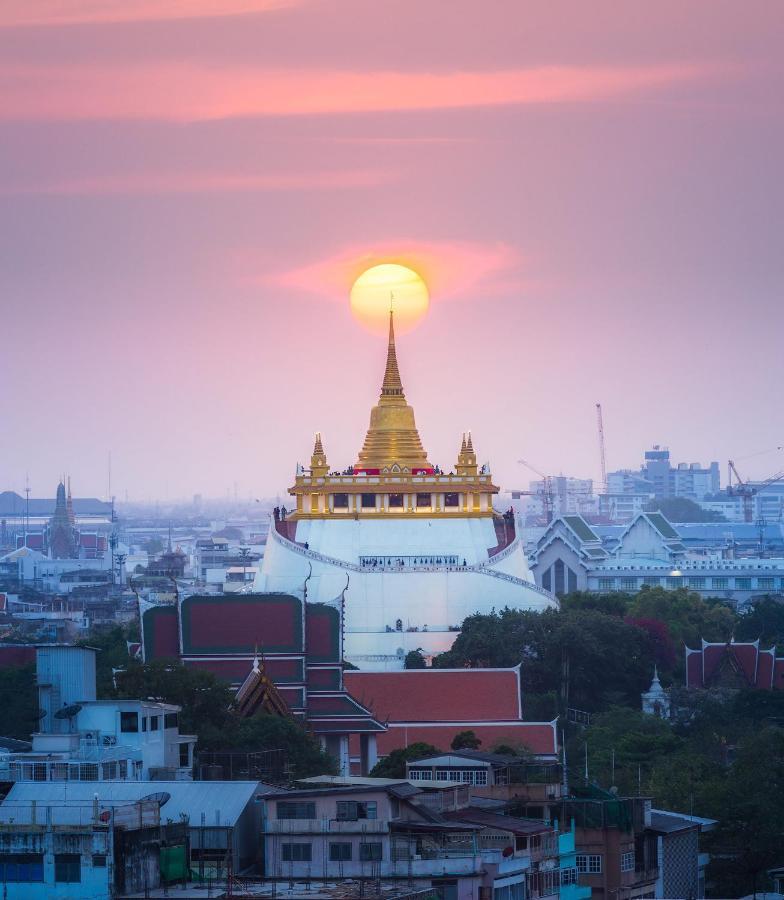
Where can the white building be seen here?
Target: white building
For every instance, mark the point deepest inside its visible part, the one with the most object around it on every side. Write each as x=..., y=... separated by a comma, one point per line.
x=412, y=549
x=84, y=739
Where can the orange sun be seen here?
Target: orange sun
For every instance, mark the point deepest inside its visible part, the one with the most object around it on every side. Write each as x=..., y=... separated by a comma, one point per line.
x=385, y=284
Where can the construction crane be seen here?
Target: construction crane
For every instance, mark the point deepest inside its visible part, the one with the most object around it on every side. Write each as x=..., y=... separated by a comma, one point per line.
x=747, y=491
x=602, y=459
x=547, y=491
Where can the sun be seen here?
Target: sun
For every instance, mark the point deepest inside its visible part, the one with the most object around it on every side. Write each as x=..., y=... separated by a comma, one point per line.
x=381, y=285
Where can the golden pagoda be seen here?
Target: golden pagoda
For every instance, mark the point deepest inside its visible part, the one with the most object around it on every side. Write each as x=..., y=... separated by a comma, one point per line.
x=392, y=443
x=393, y=476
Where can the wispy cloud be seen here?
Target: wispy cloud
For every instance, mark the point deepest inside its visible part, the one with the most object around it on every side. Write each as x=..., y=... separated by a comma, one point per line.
x=202, y=183
x=15, y=13
x=450, y=268
x=186, y=92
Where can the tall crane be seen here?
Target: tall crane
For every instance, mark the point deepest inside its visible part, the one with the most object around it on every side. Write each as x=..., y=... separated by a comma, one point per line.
x=600, y=426
x=747, y=491
x=547, y=490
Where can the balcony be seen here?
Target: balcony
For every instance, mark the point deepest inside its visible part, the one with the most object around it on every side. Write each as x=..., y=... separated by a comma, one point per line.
x=326, y=826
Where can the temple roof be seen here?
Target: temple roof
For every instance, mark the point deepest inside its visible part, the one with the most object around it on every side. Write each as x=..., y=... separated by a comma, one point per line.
x=392, y=438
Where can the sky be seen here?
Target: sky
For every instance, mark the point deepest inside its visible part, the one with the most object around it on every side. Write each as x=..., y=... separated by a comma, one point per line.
x=593, y=193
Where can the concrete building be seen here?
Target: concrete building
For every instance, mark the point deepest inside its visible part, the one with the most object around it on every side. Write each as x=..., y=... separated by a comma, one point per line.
x=413, y=550
x=85, y=739
x=433, y=838
x=681, y=864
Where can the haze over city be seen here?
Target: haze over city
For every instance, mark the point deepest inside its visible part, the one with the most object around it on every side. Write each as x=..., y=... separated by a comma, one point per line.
x=590, y=193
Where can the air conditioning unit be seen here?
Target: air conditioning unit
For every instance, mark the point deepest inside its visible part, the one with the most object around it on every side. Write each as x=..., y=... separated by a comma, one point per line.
x=109, y=740
x=89, y=736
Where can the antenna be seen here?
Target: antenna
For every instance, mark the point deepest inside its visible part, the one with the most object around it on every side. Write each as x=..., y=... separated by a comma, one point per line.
x=600, y=426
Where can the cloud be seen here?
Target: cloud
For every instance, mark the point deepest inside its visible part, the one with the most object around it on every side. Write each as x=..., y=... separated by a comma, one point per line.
x=187, y=92
x=16, y=13
x=450, y=268
x=203, y=182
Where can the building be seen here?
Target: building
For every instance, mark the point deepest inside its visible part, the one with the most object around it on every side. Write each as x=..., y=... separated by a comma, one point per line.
x=434, y=705
x=734, y=665
x=659, y=478
x=681, y=864
x=434, y=838
x=656, y=700
x=85, y=739
x=222, y=820
x=302, y=647
x=650, y=551
x=59, y=853
x=415, y=549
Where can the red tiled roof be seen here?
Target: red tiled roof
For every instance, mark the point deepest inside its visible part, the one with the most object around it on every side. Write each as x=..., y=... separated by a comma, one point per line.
x=438, y=695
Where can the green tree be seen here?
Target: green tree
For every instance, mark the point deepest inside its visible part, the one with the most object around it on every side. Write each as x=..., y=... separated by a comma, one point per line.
x=765, y=620
x=414, y=660
x=394, y=764
x=112, y=647
x=613, y=604
x=19, y=702
x=466, y=740
x=268, y=732
x=681, y=509
x=688, y=617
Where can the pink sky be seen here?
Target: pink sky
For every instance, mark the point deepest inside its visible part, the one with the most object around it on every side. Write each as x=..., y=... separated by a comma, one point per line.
x=593, y=192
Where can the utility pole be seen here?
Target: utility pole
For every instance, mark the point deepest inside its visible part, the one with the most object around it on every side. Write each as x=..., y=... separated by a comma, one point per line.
x=601, y=446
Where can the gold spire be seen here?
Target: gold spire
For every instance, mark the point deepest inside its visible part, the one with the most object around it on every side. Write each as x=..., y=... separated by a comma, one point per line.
x=392, y=386
x=318, y=459
x=392, y=439
x=466, y=459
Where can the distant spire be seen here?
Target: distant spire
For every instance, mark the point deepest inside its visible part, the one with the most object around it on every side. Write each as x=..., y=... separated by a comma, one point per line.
x=69, y=504
x=463, y=445
x=392, y=386
x=317, y=447
x=469, y=445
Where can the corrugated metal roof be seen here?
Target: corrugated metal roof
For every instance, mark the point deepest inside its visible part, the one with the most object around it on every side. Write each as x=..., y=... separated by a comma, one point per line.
x=222, y=802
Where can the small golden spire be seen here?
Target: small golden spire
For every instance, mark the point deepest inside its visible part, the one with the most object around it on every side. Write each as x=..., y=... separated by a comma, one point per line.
x=463, y=445
x=318, y=459
x=392, y=385
x=466, y=459
x=469, y=445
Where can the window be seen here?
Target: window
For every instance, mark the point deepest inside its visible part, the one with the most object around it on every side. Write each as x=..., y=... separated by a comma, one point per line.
x=627, y=862
x=606, y=584
x=722, y=583
x=568, y=876
x=68, y=867
x=695, y=582
x=651, y=579
x=340, y=501
x=395, y=501
x=350, y=811
x=184, y=763
x=170, y=720
x=442, y=774
x=154, y=723
x=742, y=584
x=424, y=501
x=21, y=867
x=451, y=500
x=589, y=863
x=99, y=861
x=290, y=809
x=340, y=852
x=368, y=501
x=371, y=852
x=144, y=723
x=628, y=584
x=296, y=852
x=129, y=722
x=766, y=584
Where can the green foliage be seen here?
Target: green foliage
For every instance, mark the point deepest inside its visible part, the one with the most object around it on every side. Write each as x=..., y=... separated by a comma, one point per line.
x=19, y=702
x=681, y=509
x=466, y=740
x=112, y=646
x=613, y=604
x=153, y=546
x=687, y=616
x=414, y=660
x=206, y=703
x=394, y=764
x=765, y=620
x=589, y=658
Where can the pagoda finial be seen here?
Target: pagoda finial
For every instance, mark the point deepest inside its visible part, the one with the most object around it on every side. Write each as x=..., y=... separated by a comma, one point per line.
x=469, y=445
x=318, y=459
x=317, y=447
x=463, y=445
x=392, y=386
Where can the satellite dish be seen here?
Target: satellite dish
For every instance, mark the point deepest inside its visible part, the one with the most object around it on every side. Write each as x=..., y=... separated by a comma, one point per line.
x=68, y=712
x=160, y=797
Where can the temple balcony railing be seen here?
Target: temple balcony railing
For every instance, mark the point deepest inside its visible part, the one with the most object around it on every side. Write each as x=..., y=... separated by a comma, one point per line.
x=480, y=569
